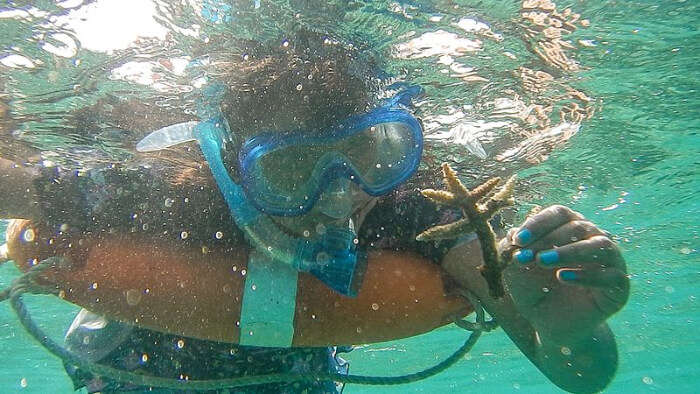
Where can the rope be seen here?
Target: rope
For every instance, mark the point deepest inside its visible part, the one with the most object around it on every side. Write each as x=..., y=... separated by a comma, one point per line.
x=27, y=284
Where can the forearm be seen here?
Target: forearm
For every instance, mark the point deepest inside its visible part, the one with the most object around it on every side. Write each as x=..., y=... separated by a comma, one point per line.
x=18, y=197
x=402, y=295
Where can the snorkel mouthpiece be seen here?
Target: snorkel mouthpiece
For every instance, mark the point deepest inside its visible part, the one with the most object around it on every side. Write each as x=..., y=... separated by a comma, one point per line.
x=335, y=260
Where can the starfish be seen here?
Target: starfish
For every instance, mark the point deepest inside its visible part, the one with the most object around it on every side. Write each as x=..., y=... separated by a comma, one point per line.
x=478, y=206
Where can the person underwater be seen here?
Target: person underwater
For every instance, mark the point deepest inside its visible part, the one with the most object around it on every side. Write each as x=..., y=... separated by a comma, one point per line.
x=302, y=238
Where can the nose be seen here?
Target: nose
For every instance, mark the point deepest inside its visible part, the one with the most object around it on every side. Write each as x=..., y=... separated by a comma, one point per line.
x=337, y=200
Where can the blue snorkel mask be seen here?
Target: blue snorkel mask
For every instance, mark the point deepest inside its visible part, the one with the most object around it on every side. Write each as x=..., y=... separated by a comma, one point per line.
x=376, y=151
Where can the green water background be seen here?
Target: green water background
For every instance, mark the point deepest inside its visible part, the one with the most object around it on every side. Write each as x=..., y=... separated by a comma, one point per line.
x=633, y=170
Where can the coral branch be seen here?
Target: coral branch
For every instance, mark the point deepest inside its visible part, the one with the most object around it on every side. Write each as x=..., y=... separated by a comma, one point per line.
x=477, y=209
x=446, y=231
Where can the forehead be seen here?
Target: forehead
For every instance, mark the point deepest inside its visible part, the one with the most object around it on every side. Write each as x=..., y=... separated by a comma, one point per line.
x=296, y=90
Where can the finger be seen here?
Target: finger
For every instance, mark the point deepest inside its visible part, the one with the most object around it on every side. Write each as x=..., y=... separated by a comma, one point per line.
x=611, y=285
x=544, y=222
x=599, y=277
x=597, y=249
x=570, y=232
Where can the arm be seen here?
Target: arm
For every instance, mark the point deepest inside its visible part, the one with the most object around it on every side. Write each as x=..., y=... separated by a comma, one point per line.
x=555, y=309
x=18, y=197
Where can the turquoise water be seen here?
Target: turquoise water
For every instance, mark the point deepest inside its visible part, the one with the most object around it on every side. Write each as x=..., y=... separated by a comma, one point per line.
x=632, y=168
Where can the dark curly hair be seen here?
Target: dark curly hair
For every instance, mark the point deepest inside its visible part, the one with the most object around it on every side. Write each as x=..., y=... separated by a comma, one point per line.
x=310, y=81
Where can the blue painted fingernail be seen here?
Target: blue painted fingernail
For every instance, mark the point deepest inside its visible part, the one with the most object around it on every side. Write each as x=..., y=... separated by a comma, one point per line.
x=549, y=257
x=524, y=256
x=568, y=275
x=523, y=237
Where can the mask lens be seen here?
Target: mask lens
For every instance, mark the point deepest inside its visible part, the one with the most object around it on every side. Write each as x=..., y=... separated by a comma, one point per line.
x=391, y=144
x=291, y=176
x=292, y=170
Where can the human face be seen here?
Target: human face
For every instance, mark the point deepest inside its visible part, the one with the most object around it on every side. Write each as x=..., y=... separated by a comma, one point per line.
x=342, y=204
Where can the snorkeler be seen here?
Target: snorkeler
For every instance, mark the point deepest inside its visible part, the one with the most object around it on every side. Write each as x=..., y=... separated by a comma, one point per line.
x=302, y=238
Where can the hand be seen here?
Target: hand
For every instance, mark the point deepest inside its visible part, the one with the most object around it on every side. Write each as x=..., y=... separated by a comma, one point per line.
x=567, y=276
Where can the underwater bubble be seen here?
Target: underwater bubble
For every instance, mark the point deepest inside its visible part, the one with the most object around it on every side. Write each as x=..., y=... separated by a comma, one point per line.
x=243, y=272
x=219, y=235
x=253, y=287
x=565, y=351
x=322, y=258
x=180, y=344
x=169, y=202
x=647, y=380
x=23, y=382
x=285, y=43
x=86, y=340
x=94, y=286
x=545, y=289
x=300, y=87
x=28, y=235
x=378, y=165
x=184, y=235
x=133, y=297
x=144, y=358
x=307, y=233
x=320, y=229
x=375, y=306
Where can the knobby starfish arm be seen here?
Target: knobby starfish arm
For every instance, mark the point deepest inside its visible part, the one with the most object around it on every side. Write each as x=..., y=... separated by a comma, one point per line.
x=477, y=208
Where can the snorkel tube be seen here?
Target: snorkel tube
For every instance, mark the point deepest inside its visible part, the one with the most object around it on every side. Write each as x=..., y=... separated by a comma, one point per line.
x=332, y=257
